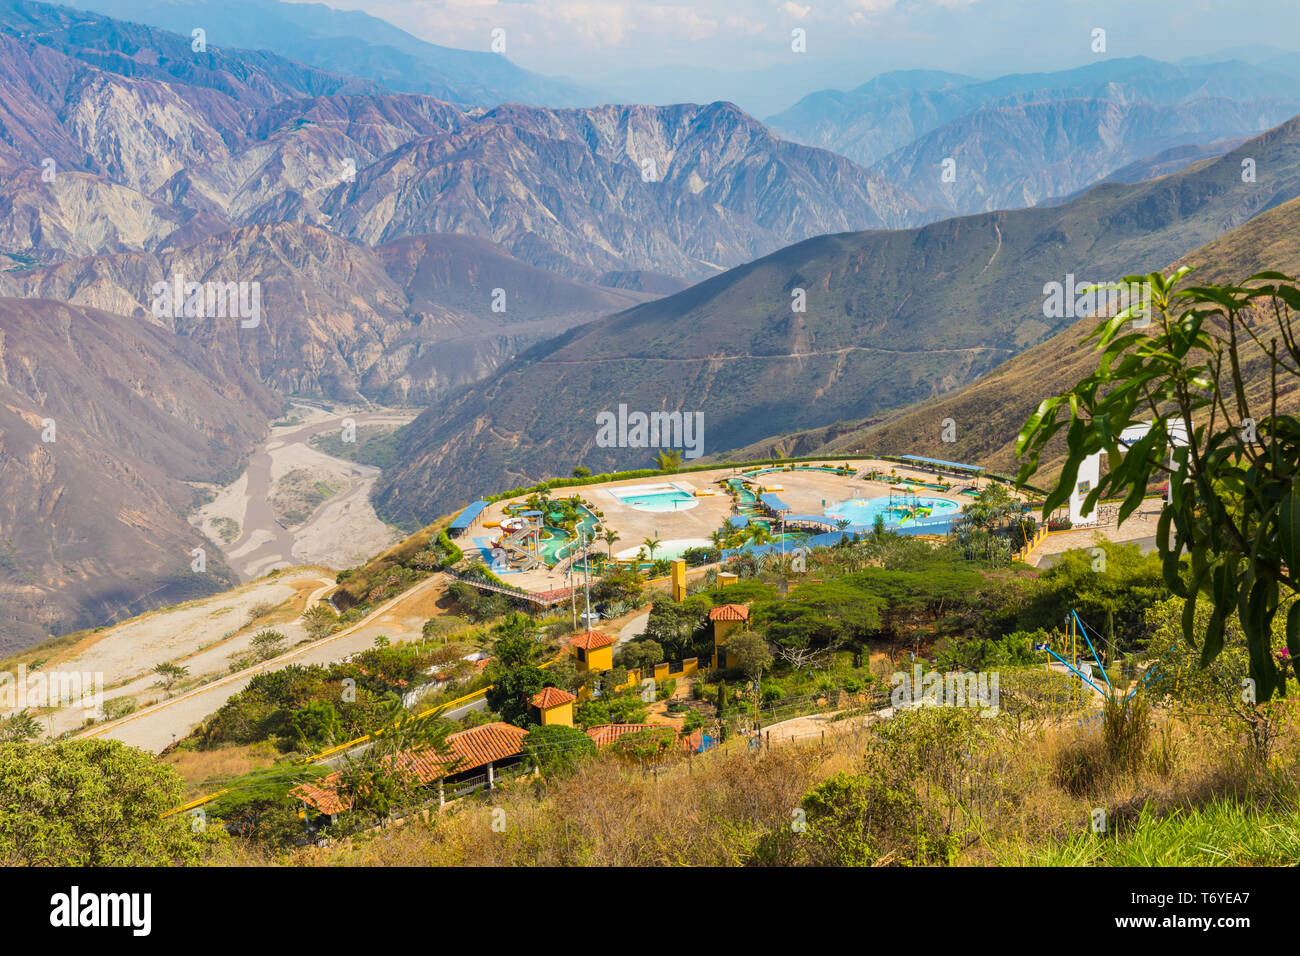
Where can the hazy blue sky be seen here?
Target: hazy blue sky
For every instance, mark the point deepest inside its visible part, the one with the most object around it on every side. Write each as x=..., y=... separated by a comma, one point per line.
x=598, y=39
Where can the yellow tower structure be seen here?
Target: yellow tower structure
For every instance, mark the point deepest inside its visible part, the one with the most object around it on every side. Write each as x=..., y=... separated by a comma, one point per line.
x=679, y=579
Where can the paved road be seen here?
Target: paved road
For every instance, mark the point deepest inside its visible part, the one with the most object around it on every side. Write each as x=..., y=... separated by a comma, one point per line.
x=157, y=727
x=631, y=629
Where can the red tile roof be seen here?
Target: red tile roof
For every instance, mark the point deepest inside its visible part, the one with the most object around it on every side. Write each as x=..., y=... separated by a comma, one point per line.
x=606, y=734
x=551, y=697
x=729, y=612
x=591, y=640
x=467, y=750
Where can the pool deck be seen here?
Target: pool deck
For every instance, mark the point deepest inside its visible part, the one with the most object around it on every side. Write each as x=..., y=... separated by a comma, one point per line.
x=804, y=491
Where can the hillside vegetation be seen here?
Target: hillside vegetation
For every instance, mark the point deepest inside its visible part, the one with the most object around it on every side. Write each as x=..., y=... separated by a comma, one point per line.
x=892, y=318
x=990, y=412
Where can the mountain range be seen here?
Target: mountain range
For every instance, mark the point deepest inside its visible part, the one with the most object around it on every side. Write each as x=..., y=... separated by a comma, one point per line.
x=436, y=227
x=1018, y=140
x=990, y=412
x=355, y=43
x=155, y=146
x=891, y=318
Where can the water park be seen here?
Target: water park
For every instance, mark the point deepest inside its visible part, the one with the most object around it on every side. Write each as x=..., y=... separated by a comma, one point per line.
x=535, y=541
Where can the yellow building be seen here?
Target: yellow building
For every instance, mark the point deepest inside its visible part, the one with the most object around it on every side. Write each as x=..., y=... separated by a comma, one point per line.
x=555, y=706
x=726, y=618
x=679, y=579
x=593, y=651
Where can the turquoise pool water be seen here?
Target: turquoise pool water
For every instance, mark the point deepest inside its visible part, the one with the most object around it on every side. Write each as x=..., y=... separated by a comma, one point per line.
x=863, y=511
x=658, y=500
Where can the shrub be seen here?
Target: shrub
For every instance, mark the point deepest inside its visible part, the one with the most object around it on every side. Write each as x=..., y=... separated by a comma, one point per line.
x=557, y=750
x=116, y=707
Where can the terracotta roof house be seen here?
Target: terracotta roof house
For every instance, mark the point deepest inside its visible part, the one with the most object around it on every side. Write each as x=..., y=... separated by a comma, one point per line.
x=489, y=746
x=592, y=651
x=726, y=619
x=551, y=697
x=606, y=734
x=729, y=612
x=590, y=640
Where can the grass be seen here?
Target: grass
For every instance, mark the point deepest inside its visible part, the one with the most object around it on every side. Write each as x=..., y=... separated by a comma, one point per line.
x=991, y=785
x=206, y=770
x=1221, y=833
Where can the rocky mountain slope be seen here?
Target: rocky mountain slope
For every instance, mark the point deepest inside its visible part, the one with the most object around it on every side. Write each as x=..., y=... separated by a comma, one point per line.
x=1019, y=139
x=103, y=423
x=402, y=322
x=892, y=318
x=990, y=412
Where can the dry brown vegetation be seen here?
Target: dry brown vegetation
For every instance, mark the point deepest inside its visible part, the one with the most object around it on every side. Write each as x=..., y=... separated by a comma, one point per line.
x=988, y=791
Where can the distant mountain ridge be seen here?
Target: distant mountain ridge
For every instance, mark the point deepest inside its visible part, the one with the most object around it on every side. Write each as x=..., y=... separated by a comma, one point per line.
x=355, y=43
x=1020, y=139
x=156, y=146
x=990, y=411
x=892, y=318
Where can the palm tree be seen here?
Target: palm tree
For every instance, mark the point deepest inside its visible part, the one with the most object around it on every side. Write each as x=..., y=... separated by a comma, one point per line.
x=610, y=537
x=670, y=459
x=651, y=545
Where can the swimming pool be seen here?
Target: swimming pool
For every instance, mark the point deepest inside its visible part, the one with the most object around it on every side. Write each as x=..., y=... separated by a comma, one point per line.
x=863, y=511
x=667, y=550
x=655, y=498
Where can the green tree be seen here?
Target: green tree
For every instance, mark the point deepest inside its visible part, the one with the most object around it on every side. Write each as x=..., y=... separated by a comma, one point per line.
x=670, y=459
x=627, y=709
x=643, y=654
x=591, y=713
x=18, y=728
x=558, y=750
x=267, y=644
x=1231, y=533
x=316, y=724
x=93, y=803
x=610, y=537
x=750, y=652
x=319, y=620
x=678, y=627
x=168, y=674
x=511, y=691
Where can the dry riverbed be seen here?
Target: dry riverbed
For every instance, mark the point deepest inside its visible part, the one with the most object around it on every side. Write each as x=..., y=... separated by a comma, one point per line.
x=295, y=504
